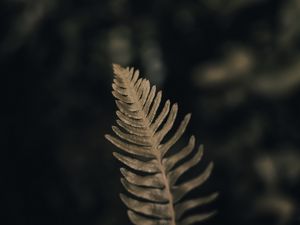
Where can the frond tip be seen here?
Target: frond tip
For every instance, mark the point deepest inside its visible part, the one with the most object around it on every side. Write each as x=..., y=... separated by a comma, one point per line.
x=152, y=174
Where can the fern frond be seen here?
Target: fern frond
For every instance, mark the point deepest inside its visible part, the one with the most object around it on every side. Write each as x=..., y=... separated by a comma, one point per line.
x=152, y=176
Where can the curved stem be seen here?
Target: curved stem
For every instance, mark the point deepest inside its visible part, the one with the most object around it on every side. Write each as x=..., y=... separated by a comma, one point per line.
x=154, y=147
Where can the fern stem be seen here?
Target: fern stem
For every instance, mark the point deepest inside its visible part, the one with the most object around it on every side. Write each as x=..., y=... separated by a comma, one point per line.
x=154, y=148
x=167, y=188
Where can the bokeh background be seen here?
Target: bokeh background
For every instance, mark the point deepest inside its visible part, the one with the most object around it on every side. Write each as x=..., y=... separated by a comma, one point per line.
x=234, y=64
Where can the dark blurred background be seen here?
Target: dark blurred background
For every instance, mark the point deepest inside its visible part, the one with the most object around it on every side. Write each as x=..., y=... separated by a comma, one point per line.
x=234, y=64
